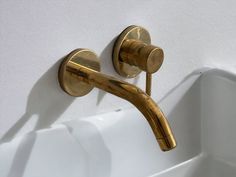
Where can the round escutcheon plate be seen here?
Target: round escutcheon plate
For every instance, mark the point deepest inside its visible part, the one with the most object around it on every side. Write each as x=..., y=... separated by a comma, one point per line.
x=132, y=32
x=71, y=83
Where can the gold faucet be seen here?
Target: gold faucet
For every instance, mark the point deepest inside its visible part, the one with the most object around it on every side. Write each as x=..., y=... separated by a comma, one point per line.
x=79, y=73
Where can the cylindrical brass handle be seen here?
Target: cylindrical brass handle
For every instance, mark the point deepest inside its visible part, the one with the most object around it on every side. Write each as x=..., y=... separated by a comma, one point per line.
x=148, y=58
x=133, y=53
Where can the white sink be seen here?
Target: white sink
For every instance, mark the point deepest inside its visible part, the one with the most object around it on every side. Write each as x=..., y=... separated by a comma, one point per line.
x=202, y=165
x=201, y=111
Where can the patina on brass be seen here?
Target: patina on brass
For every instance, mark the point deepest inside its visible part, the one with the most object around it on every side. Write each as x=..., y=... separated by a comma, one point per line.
x=148, y=83
x=133, y=53
x=142, y=101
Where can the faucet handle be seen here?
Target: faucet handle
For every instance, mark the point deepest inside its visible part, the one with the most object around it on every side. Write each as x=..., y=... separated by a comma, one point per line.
x=133, y=53
x=146, y=57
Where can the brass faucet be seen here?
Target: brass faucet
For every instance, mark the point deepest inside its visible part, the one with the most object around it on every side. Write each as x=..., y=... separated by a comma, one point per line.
x=79, y=73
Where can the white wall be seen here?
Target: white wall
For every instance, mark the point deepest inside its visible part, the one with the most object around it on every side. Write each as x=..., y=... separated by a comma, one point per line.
x=35, y=35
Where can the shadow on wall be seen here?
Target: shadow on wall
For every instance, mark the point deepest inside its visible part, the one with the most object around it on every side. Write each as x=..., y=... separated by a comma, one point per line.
x=46, y=100
x=22, y=155
x=106, y=62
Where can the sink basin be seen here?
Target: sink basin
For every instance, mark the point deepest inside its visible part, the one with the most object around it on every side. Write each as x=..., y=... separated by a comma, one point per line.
x=201, y=111
x=202, y=165
x=218, y=134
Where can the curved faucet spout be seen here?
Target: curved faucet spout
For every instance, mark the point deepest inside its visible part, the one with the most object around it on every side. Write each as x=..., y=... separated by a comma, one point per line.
x=133, y=94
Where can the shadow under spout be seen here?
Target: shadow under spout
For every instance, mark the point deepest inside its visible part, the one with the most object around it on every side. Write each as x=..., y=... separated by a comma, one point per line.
x=134, y=95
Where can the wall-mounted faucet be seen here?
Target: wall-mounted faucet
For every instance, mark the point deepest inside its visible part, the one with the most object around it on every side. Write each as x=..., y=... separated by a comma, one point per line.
x=79, y=73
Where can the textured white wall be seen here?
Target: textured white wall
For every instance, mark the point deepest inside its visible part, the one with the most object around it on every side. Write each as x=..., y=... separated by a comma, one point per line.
x=35, y=35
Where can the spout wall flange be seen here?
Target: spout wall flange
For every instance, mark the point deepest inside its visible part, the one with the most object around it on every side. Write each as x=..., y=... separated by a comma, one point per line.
x=71, y=83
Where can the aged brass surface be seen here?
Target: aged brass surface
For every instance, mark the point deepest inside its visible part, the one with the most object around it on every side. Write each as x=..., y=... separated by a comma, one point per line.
x=71, y=83
x=148, y=83
x=129, y=92
x=137, y=53
x=130, y=33
x=133, y=52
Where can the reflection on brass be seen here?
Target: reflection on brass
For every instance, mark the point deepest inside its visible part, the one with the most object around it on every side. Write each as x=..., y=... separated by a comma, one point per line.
x=74, y=84
x=146, y=57
x=83, y=72
x=133, y=52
